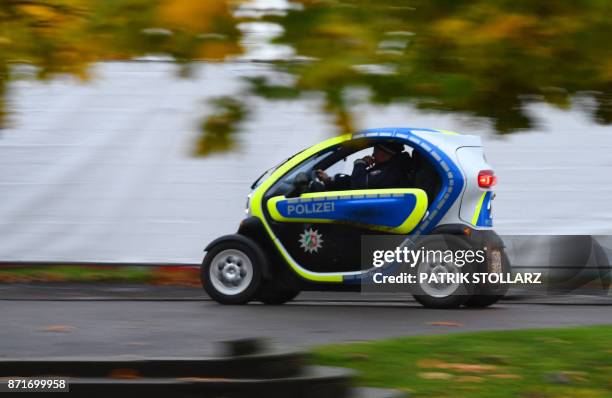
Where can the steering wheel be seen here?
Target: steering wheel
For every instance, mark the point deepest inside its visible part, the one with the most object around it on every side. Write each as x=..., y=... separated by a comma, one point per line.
x=315, y=185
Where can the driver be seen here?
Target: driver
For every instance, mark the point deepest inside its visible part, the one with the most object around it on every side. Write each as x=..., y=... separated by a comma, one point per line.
x=384, y=169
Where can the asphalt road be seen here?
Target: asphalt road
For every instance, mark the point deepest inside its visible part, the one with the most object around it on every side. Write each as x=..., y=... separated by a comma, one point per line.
x=36, y=328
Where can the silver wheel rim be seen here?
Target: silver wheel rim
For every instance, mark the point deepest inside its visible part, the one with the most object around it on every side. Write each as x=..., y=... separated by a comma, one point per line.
x=438, y=290
x=231, y=272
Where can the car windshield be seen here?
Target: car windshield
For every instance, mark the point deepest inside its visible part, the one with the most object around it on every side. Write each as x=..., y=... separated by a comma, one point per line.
x=271, y=170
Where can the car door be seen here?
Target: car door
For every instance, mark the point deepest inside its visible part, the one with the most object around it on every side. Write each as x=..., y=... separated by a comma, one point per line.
x=322, y=231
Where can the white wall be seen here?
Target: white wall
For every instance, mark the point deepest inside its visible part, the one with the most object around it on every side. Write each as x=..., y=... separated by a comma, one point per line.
x=102, y=171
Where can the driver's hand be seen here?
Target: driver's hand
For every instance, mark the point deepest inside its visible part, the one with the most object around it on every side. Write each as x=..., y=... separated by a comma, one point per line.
x=369, y=160
x=323, y=176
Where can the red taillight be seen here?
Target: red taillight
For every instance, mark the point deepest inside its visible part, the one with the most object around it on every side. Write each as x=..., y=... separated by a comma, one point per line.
x=486, y=179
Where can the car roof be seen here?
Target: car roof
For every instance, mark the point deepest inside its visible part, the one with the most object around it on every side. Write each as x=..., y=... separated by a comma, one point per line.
x=438, y=137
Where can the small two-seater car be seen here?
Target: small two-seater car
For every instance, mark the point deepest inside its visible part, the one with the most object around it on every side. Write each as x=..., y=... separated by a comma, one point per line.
x=298, y=235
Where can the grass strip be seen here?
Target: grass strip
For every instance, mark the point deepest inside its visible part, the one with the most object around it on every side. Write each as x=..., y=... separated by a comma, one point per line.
x=572, y=362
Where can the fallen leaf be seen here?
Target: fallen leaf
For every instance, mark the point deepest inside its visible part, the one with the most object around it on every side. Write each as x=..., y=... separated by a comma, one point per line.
x=429, y=363
x=462, y=367
x=443, y=323
x=468, y=367
x=124, y=373
x=435, y=375
x=57, y=328
x=469, y=379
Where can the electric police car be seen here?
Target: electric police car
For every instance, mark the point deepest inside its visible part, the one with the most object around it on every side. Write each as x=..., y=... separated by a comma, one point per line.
x=301, y=235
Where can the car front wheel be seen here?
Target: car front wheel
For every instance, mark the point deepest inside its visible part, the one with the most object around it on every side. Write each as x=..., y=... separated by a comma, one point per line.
x=232, y=272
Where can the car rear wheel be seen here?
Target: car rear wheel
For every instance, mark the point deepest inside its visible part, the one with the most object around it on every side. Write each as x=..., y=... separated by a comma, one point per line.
x=488, y=294
x=434, y=292
x=232, y=272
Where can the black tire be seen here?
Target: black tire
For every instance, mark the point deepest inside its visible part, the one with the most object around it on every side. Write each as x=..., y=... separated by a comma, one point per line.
x=486, y=295
x=274, y=294
x=422, y=294
x=217, y=289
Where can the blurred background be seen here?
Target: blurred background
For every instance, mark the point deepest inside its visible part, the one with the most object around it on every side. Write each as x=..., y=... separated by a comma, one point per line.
x=131, y=130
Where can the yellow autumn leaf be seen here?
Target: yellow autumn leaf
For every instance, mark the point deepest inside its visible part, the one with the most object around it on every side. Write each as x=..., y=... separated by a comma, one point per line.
x=193, y=15
x=218, y=50
x=452, y=27
x=511, y=26
x=38, y=11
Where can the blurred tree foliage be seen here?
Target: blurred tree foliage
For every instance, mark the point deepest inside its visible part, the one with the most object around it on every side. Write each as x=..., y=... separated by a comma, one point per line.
x=66, y=36
x=219, y=128
x=482, y=58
